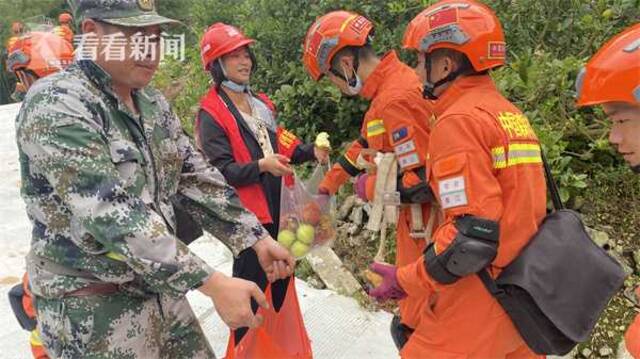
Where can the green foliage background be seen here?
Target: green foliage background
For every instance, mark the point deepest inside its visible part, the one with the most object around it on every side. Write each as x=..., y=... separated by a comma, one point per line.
x=548, y=41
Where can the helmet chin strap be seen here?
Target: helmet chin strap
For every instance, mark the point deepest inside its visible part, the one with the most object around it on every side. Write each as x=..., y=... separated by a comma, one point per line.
x=232, y=85
x=354, y=84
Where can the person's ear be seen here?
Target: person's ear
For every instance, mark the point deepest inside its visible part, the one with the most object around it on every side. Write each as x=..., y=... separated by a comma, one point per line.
x=448, y=65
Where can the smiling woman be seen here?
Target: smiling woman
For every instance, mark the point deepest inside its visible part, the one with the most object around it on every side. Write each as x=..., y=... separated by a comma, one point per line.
x=238, y=132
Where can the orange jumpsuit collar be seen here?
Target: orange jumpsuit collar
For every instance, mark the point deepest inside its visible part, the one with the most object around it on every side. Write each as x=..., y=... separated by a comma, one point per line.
x=459, y=87
x=381, y=74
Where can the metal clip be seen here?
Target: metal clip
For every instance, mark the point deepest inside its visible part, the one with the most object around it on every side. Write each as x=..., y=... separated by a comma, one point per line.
x=418, y=234
x=391, y=198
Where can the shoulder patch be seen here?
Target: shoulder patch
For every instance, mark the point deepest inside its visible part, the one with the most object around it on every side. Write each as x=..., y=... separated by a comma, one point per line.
x=400, y=134
x=452, y=192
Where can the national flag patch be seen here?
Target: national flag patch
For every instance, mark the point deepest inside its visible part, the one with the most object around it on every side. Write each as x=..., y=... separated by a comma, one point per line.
x=359, y=24
x=400, y=134
x=497, y=50
x=314, y=43
x=443, y=17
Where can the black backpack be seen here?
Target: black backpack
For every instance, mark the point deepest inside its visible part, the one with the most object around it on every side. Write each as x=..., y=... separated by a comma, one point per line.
x=556, y=289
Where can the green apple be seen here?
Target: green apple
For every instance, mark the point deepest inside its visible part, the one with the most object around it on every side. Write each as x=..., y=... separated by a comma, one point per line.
x=299, y=249
x=286, y=238
x=305, y=233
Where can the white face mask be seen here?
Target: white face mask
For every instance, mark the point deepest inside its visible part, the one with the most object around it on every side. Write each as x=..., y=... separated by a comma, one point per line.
x=231, y=85
x=353, y=90
x=235, y=87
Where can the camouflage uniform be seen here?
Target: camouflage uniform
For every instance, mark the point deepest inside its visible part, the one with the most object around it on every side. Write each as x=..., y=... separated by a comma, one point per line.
x=98, y=181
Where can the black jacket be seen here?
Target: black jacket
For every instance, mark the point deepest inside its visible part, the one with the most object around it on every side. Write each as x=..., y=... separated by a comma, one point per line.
x=217, y=148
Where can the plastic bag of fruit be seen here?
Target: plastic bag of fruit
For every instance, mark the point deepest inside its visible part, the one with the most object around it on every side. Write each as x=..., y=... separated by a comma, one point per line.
x=307, y=220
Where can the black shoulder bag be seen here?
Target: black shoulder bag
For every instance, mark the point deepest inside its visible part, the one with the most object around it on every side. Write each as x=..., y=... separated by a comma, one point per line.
x=556, y=289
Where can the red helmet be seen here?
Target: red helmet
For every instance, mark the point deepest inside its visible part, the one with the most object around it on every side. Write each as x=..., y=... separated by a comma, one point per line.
x=330, y=34
x=65, y=18
x=219, y=40
x=43, y=53
x=466, y=26
x=613, y=73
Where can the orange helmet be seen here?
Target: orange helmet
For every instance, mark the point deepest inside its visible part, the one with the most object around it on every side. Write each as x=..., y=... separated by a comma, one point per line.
x=65, y=18
x=466, y=26
x=43, y=53
x=330, y=34
x=220, y=39
x=613, y=73
x=17, y=27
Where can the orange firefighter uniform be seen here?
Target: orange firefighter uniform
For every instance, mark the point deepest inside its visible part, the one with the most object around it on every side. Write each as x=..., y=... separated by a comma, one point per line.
x=65, y=32
x=484, y=161
x=484, y=164
x=397, y=121
x=12, y=41
x=31, y=57
x=632, y=338
x=64, y=29
x=37, y=349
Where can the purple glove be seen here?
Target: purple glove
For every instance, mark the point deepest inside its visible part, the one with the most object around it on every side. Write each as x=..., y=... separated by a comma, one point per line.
x=361, y=186
x=390, y=288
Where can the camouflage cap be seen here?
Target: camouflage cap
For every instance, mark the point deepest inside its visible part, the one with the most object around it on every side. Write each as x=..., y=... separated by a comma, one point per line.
x=129, y=13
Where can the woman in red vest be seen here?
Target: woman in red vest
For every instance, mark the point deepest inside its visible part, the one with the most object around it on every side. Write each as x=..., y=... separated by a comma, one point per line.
x=237, y=131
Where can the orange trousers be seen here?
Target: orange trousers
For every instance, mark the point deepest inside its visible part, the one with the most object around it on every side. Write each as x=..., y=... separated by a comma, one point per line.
x=632, y=338
x=37, y=349
x=409, y=250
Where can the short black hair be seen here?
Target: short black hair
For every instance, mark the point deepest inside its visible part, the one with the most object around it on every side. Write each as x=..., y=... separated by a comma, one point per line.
x=359, y=52
x=464, y=65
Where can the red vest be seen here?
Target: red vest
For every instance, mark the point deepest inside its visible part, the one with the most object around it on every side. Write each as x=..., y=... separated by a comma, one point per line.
x=252, y=196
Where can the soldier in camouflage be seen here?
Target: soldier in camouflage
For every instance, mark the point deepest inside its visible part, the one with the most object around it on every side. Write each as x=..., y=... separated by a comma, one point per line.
x=103, y=157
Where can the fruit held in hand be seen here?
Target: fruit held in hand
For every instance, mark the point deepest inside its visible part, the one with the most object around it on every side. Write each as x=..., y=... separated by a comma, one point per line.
x=374, y=278
x=305, y=233
x=299, y=249
x=286, y=238
x=311, y=214
x=322, y=141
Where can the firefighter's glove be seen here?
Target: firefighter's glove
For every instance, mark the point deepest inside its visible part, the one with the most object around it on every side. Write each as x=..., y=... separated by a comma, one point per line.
x=360, y=186
x=390, y=288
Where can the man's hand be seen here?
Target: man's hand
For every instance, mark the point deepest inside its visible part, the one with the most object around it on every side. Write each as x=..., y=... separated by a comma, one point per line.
x=232, y=300
x=276, y=260
x=390, y=288
x=276, y=164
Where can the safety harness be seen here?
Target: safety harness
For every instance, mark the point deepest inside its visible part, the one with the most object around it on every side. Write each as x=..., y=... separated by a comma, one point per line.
x=386, y=201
